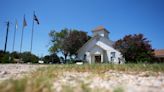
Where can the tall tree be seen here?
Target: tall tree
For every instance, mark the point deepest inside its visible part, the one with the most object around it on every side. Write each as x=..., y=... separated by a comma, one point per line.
x=57, y=39
x=135, y=48
x=67, y=41
x=75, y=40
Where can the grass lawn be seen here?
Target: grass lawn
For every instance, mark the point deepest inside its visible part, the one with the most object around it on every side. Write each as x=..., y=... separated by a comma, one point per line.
x=42, y=80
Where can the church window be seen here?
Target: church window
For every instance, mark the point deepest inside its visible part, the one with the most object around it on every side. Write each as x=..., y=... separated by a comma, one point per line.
x=113, y=54
x=85, y=56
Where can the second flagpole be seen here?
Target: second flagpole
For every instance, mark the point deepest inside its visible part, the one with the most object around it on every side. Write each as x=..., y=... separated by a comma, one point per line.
x=14, y=35
x=24, y=25
x=32, y=33
x=21, y=39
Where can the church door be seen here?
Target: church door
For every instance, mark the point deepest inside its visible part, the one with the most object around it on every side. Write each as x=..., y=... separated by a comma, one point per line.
x=98, y=59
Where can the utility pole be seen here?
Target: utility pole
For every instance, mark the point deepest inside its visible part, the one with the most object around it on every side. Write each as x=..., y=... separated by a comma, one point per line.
x=6, y=36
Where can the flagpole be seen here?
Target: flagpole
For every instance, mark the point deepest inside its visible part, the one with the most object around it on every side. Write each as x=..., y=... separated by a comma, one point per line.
x=14, y=35
x=21, y=39
x=24, y=24
x=32, y=33
x=6, y=36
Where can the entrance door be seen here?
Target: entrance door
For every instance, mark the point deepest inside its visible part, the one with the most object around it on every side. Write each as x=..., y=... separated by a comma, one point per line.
x=98, y=59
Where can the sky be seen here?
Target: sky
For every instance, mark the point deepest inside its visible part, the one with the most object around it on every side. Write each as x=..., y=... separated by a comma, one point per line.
x=120, y=17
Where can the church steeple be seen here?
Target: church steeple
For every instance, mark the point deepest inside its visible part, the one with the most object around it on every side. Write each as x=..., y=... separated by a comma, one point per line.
x=101, y=31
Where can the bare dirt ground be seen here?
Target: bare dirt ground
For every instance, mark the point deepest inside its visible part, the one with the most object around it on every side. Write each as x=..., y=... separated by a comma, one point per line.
x=16, y=71
x=110, y=80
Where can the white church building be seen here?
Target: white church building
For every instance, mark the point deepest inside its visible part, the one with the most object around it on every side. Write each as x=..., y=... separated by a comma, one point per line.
x=99, y=49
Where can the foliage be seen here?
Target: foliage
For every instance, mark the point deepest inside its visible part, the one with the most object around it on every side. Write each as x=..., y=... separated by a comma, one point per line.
x=135, y=48
x=15, y=55
x=10, y=57
x=75, y=40
x=67, y=41
x=57, y=39
x=29, y=57
x=4, y=57
x=51, y=58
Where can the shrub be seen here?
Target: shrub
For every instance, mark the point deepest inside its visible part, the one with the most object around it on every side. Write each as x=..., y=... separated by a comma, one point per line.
x=4, y=57
x=51, y=58
x=28, y=57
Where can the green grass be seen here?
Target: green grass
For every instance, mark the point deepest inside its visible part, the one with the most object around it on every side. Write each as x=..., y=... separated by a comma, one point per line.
x=42, y=79
x=118, y=89
x=101, y=68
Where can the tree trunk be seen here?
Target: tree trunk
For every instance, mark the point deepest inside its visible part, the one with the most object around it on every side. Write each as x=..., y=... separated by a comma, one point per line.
x=65, y=58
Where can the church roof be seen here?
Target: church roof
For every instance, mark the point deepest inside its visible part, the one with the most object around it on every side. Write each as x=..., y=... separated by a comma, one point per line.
x=159, y=53
x=97, y=36
x=88, y=42
x=100, y=28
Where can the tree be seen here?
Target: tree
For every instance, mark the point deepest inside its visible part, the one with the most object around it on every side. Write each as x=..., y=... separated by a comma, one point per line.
x=4, y=57
x=15, y=55
x=135, y=48
x=51, y=58
x=29, y=57
x=58, y=45
x=75, y=40
x=67, y=41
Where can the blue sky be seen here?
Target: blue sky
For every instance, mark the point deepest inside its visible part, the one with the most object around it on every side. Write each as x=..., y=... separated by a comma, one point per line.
x=120, y=17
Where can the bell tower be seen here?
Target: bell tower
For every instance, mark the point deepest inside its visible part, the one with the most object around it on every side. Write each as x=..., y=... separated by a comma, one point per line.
x=101, y=31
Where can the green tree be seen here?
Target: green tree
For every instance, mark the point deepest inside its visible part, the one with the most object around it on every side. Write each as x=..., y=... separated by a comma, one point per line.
x=4, y=57
x=51, y=58
x=67, y=41
x=57, y=40
x=28, y=57
x=75, y=40
x=15, y=55
x=135, y=48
